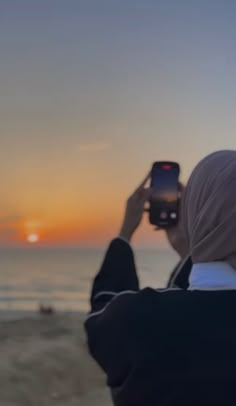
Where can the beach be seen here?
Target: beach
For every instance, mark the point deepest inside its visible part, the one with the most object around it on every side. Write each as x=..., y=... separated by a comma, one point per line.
x=44, y=358
x=44, y=362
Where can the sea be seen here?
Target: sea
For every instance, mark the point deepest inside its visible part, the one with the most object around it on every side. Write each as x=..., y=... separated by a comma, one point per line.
x=62, y=277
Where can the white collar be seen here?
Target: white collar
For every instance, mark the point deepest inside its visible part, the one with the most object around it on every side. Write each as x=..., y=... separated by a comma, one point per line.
x=212, y=276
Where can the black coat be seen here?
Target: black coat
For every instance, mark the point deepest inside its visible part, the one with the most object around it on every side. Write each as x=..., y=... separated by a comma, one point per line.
x=169, y=347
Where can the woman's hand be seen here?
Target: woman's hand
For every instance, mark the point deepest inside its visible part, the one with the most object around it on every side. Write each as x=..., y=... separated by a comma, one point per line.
x=134, y=210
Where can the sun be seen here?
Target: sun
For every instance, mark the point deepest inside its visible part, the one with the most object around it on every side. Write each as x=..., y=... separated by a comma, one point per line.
x=32, y=238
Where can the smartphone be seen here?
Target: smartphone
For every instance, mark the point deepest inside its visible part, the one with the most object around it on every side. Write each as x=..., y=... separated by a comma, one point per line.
x=164, y=202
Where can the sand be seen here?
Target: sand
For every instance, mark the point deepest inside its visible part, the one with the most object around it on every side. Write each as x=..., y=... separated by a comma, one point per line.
x=44, y=362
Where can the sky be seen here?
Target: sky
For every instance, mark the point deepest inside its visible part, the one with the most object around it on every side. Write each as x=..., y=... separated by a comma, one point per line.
x=92, y=93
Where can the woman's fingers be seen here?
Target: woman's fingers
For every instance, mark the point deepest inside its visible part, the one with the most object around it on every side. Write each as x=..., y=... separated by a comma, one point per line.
x=147, y=193
x=181, y=189
x=143, y=183
x=143, y=196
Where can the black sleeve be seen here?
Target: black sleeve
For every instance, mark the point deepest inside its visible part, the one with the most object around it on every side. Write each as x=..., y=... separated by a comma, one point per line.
x=117, y=274
x=108, y=325
x=110, y=336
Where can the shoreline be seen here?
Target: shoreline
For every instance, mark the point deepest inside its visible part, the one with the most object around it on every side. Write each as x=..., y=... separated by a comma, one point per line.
x=16, y=315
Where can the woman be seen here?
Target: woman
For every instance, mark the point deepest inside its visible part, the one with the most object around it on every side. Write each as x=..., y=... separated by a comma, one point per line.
x=173, y=347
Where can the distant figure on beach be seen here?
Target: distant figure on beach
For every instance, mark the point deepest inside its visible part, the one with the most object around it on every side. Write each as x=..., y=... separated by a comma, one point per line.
x=46, y=310
x=174, y=346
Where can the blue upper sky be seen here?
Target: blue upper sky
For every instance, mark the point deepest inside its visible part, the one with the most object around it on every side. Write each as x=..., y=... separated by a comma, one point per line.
x=94, y=87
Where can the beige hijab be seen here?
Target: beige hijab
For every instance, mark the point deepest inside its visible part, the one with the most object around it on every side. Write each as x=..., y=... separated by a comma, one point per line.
x=208, y=213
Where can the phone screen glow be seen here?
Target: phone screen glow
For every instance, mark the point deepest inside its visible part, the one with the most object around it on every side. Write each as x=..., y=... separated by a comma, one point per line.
x=165, y=185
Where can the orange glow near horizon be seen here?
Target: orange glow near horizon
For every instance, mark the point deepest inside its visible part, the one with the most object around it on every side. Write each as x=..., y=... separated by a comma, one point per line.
x=90, y=230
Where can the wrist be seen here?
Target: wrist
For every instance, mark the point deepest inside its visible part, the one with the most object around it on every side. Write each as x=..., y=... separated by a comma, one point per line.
x=125, y=233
